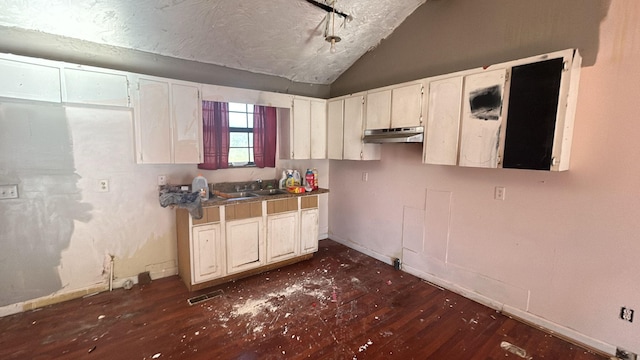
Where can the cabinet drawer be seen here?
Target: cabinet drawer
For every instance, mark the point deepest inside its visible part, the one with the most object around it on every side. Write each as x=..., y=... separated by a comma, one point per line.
x=282, y=205
x=309, y=202
x=209, y=215
x=243, y=211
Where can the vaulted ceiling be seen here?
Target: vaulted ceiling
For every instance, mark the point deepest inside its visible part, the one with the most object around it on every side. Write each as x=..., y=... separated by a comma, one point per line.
x=285, y=38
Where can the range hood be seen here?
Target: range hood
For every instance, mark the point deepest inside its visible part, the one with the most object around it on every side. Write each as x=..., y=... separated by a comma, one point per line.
x=396, y=135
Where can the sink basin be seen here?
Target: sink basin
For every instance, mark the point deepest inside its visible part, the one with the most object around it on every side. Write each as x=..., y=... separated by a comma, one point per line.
x=238, y=195
x=267, y=192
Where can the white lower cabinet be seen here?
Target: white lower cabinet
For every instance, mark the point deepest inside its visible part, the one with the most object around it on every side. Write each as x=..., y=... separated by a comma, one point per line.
x=237, y=240
x=245, y=244
x=309, y=231
x=282, y=236
x=206, y=252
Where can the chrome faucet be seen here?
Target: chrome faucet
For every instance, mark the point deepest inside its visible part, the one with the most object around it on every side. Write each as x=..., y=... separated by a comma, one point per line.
x=259, y=181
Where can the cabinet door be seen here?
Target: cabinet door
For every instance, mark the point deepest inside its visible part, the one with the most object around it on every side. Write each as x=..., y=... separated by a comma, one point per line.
x=378, y=110
x=406, y=106
x=318, y=129
x=443, y=121
x=482, y=119
x=353, y=128
x=244, y=244
x=335, y=134
x=301, y=129
x=282, y=236
x=531, y=120
x=206, y=253
x=309, y=231
x=153, y=122
x=186, y=117
x=23, y=80
x=96, y=88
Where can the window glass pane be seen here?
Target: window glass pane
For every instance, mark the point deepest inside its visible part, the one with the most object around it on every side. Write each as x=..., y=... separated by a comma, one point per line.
x=237, y=107
x=238, y=155
x=251, y=154
x=237, y=120
x=251, y=139
x=239, y=139
x=250, y=120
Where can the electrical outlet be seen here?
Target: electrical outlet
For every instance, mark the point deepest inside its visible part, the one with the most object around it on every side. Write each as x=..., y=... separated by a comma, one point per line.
x=365, y=176
x=626, y=314
x=8, y=192
x=162, y=180
x=499, y=193
x=625, y=355
x=103, y=185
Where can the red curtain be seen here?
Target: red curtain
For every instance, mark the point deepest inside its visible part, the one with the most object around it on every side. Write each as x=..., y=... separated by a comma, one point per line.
x=215, y=133
x=264, y=136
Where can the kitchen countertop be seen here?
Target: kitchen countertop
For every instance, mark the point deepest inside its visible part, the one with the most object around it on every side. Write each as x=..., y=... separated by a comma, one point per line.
x=219, y=201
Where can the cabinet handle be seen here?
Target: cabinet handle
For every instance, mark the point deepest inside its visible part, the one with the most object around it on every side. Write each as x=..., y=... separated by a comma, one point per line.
x=554, y=161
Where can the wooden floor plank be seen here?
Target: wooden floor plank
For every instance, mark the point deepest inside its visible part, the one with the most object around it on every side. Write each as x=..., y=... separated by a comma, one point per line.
x=340, y=304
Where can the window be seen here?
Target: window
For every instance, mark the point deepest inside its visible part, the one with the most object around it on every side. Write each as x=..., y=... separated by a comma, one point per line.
x=236, y=134
x=240, y=134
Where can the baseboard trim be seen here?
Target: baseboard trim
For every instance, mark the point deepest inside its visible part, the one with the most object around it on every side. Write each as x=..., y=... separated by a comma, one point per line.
x=550, y=327
x=76, y=294
x=364, y=250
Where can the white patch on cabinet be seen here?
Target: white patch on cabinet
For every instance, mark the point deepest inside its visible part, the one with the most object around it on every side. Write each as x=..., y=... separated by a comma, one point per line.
x=443, y=121
x=482, y=115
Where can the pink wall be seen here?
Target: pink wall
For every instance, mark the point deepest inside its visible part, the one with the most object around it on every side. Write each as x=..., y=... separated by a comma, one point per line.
x=561, y=249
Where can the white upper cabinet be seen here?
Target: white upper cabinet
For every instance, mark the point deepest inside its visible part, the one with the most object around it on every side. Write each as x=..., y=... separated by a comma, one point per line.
x=186, y=118
x=353, y=124
x=23, y=79
x=301, y=129
x=443, y=121
x=482, y=117
x=394, y=107
x=153, y=122
x=378, y=109
x=168, y=122
x=517, y=114
x=346, y=128
x=318, y=129
x=406, y=105
x=335, y=130
x=83, y=85
x=303, y=134
x=541, y=109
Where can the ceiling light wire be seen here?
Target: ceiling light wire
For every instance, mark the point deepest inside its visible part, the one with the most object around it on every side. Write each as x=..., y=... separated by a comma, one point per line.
x=333, y=39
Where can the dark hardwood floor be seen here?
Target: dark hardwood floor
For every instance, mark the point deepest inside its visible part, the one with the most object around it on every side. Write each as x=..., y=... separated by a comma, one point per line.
x=339, y=305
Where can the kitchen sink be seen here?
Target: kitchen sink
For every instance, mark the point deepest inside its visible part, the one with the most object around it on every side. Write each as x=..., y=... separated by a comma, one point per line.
x=238, y=195
x=267, y=192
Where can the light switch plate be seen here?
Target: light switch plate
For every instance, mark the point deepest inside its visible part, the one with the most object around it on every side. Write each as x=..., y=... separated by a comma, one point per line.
x=8, y=192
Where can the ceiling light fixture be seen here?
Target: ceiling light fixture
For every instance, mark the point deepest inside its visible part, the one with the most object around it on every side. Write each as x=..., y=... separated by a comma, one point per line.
x=333, y=39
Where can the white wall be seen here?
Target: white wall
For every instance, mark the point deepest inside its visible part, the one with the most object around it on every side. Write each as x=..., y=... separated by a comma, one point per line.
x=57, y=239
x=561, y=249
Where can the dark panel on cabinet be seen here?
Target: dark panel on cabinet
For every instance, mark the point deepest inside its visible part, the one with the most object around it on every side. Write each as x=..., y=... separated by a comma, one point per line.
x=531, y=118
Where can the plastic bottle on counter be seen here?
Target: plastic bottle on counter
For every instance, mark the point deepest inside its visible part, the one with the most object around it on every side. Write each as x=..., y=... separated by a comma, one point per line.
x=200, y=184
x=309, y=180
x=315, y=179
x=296, y=178
x=283, y=181
x=290, y=180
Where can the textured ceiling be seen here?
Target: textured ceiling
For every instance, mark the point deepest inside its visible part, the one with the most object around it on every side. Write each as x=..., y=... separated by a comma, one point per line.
x=284, y=38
